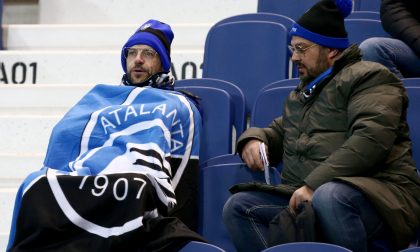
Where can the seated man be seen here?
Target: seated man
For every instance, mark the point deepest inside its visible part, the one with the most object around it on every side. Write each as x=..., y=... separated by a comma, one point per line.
x=120, y=165
x=344, y=142
x=401, y=53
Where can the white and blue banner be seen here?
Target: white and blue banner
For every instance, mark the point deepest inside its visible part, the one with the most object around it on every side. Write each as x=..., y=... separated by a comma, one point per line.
x=120, y=157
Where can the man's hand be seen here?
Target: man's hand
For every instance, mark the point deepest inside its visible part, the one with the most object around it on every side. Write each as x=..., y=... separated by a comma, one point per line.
x=302, y=194
x=251, y=155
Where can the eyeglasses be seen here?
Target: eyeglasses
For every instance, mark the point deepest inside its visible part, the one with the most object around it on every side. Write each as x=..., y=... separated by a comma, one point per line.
x=145, y=53
x=299, y=49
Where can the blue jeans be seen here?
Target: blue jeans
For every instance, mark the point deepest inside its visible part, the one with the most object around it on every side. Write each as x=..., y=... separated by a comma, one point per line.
x=394, y=54
x=346, y=216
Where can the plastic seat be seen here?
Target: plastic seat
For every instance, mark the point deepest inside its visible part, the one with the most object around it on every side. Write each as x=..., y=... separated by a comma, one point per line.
x=269, y=105
x=270, y=17
x=411, y=82
x=260, y=16
x=413, y=249
x=216, y=137
x=282, y=83
x=215, y=182
x=250, y=54
x=238, y=98
x=367, y=5
x=375, y=15
x=195, y=246
x=306, y=247
x=223, y=159
x=360, y=29
x=413, y=119
x=291, y=8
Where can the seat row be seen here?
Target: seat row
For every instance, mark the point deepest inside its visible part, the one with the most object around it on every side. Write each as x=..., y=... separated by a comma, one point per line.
x=225, y=115
x=295, y=8
x=251, y=50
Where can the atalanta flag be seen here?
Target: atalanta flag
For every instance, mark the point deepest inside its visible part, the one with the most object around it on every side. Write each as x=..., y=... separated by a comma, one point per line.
x=120, y=166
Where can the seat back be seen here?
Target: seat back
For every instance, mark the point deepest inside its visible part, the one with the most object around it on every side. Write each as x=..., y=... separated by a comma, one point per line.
x=375, y=15
x=413, y=120
x=294, y=82
x=260, y=16
x=291, y=8
x=215, y=181
x=269, y=105
x=216, y=136
x=270, y=17
x=195, y=246
x=367, y=5
x=360, y=29
x=411, y=82
x=238, y=97
x=250, y=54
x=307, y=246
x=412, y=249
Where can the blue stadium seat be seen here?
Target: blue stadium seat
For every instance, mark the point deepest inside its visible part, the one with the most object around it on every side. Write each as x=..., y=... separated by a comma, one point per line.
x=260, y=16
x=250, y=54
x=216, y=138
x=361, y=29
x=307, y=246
x=215, y=182
x=238, y=98
x=411, y=82
x=367, y=5
x=413, y=119
x=413, y=249
x=281, y=83
x=375, y=15
x=223, y=159
x=195, y=246
x=291, y=8
x=269, y=105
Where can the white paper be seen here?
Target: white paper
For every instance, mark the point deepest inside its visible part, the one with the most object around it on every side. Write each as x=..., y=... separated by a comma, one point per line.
x=264, y=159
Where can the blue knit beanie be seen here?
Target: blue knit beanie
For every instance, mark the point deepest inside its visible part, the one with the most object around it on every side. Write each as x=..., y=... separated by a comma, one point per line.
x=156, y=34
x=323, y=24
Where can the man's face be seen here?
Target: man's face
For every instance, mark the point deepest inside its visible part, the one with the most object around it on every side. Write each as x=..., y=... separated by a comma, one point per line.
x=142, y=62
x=311, y=59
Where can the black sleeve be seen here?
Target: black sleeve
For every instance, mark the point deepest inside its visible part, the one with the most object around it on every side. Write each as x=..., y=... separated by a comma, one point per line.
x=401, y=19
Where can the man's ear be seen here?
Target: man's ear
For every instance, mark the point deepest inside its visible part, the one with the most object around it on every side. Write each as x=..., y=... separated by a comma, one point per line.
x=332, y=52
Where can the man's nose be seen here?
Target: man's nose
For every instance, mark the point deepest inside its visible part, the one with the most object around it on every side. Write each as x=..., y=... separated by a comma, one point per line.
x=295, y=57
x=139, y=58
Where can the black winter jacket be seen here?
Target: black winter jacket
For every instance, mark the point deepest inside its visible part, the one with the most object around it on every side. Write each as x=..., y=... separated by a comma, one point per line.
x=401, y=19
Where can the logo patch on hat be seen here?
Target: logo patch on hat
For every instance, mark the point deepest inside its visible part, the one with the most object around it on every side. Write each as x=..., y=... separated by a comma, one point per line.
x=145, y=26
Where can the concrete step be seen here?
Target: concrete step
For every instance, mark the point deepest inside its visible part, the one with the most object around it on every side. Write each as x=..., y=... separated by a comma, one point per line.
x=14, y=167
x=137, y=12
x=41, y=99
x=81, y=66
x=26, y=134
x=93, y=36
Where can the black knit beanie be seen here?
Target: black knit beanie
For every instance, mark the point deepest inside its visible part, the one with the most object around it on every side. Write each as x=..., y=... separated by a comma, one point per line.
x=323, y=24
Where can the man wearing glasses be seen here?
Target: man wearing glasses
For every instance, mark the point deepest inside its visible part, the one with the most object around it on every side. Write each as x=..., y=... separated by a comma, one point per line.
x=121, y=169
x=344, y=143
x=145, y=57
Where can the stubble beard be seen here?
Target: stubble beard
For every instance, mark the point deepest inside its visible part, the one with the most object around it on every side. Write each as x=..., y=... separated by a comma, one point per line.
x=321, y=66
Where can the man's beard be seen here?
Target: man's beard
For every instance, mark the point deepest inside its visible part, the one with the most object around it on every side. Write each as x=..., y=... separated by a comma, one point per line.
x=138, y=80
x=321, y=66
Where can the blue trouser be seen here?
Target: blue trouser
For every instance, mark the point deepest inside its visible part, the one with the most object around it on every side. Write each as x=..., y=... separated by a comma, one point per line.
x=346, y=216
x=394, y=54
